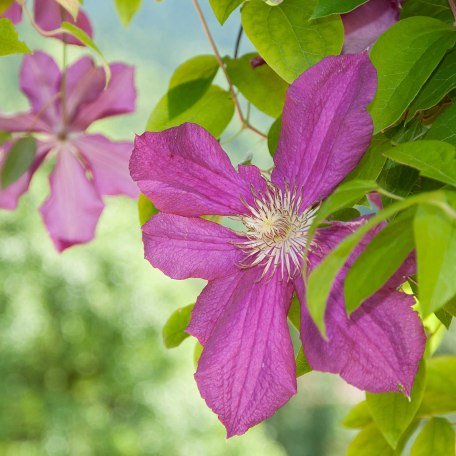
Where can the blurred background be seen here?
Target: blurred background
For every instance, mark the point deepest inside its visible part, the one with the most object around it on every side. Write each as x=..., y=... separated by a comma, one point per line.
x=83, y=369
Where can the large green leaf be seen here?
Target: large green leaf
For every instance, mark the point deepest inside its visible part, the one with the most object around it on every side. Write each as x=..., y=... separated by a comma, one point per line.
x=434, y=159
x=189, y=82
x=322, y=277
x=440, y=392
x=261, y=85
x=439, y=9
x=174, y=330
x=213, y=111
x=379, y=261
x=19, y=159
x=9, y=41
x=287, y=39
x=436, y=439
x=441, y=83
x=328, y=7
x=393, y=412
x=405, y=56
x=397, y=179
x=302, y=365
x=358, y=417
x=126, y=9
x=373, y=160
x=444, y=128
x=223, y=8
x=274, y=135
x=435, y=239
x=146, y=209
x=370, y=442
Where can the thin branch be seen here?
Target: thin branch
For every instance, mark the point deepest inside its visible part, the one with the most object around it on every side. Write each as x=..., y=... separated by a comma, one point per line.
x=238, y=42
x=243, y=120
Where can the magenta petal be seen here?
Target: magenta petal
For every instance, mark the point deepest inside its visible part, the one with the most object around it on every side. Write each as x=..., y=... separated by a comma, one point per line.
x=72, y=210
x=85, y=82
x=13, y=13
x=184, y=247
x=108, y=162
x=325, y=125
x=49, y=15
x=252, y=175
x=184, y=171
x=365, y=24
x=9, y=196
x=40, y=81
x=26, y=122
x=118, y=98
x=211, y=304
x=247, y=370
x=377, y=349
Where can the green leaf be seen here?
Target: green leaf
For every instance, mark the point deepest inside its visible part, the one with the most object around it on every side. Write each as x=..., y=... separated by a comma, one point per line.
x=405, y=56
x=434, y=159
x=440, y=84
x=451, y=307
x=146, y=209
x=126, y=9
x=302, y=365
x=444, y=317
x=370, y=442
x=393, y=412
x=358, y=417
x=397, y=179
x=287, y=39
x=444, y=128
x=197, y=353
x=88, y=42
x=322, y=277
x=190, y=82
x=223, y=8
x=261, y=85
x=405, y=132
x=440, y=392
x=379, y=260
x=436, y=439
x=9, y=41
x=5, y=4
x=435, y=239
x=438, y=9
x=19, y=159
x=294, y=314
x=273, y=135
x=4, y=136
x=371, y=165
x=213, y=111
x=174, y=329
x=328, y=7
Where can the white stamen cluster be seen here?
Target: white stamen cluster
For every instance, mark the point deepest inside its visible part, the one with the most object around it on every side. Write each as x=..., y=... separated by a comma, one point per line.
x=276, y=231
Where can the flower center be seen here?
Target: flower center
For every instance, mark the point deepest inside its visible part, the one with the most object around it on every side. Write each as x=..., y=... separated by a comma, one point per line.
x=276, y=231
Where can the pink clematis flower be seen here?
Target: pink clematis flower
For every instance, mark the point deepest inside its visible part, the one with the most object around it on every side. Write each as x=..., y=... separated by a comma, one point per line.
x=88, y=166
x=366, y=23
x=49, y=15
x=247, y=368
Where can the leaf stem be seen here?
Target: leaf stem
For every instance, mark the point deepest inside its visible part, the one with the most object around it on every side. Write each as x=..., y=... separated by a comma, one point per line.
x=245, y=123
x=453, y=9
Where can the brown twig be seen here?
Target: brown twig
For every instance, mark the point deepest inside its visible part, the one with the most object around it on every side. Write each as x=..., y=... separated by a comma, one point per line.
x=244, y=121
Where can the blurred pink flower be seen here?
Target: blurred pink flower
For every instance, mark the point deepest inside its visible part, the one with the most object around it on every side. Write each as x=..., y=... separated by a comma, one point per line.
x=88, y=166
x=366, y=23
x=247, y=367
x=49, y=15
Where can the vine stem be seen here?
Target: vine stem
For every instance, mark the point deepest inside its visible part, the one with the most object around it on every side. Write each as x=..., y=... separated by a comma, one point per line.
x=453, y=9
x=244, y=121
